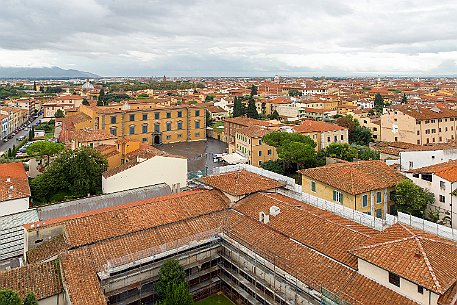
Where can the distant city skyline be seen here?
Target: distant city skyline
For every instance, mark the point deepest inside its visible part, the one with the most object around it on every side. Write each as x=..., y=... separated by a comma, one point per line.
x=232, y=38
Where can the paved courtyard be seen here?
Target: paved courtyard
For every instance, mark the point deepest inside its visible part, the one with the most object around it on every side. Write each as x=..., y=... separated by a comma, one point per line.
x=199, y=154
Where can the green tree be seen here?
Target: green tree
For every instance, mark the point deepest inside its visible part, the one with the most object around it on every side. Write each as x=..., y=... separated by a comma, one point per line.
x=274, y=115
x=365, y=153
x=251, y=112
x=85, y=102
x=101, y=98
x=277, y=166
x=209, y=98
x=208, y=118
x=13, y=151
x=30, y=299
x=177, y=293
x=295, y=92
x=341, y=151
x=9, y=297
x=74, y=173
x=59, y=114
x=44, y=148
x=293, y=148
x=412, y=199
x=10, y=153
x=253, y=90
x=238, y=107
x=34, y=86
x=172, y=283
x=404, y=99
x=361, y=136
x=31, y=133
x=379, y=102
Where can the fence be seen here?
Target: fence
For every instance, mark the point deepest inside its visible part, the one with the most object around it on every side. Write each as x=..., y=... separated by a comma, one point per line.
x=428, y=226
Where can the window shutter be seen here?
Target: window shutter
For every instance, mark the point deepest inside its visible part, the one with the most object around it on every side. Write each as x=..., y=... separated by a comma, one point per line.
x=334, y=195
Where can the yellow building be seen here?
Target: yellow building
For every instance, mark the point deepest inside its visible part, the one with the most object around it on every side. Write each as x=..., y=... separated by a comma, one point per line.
x=249, y=144
x=149, y=123
x=364, y=186
x=322, y=133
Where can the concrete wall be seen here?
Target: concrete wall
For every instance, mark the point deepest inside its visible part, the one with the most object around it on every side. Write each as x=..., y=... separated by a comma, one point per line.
x=14, y=206
x=54, y=300
x=407, y=288
x=172, y=171
x=425, y=158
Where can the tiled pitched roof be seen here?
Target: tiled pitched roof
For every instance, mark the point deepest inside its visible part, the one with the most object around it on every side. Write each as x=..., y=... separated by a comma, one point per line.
x=46, y=250
x=445, y=170
x=355, y=177
x=239, y=183
x=316, y=126
x=42, y=279
x=90, y=135
x=254, y=131
x=13, y=181
x=415, y=255
x=425, y=112
x=244, y=121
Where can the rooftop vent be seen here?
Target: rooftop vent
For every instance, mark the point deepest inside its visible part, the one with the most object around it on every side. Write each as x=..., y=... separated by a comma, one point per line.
x=435, y=109
x=8, y=179
x=274, y=210
x=265, y=218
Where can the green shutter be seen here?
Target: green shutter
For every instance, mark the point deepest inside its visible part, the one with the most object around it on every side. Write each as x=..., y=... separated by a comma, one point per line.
x=334, y=195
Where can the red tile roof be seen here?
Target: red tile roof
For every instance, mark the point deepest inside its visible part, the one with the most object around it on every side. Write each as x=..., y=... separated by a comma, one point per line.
x=13, y=181
x=446, y=170
x=239, y=183
x=316, y=126
x=415, y=255
x=355, y=177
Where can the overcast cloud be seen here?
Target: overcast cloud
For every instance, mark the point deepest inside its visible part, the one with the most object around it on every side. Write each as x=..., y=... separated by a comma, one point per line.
x=231, y=37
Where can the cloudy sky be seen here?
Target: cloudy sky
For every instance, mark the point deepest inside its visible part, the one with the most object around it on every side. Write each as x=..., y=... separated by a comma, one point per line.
x=231, y=37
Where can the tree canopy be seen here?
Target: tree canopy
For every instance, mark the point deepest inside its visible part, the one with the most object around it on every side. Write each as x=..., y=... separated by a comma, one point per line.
x=172, y=287
x=44, y=148
x=101, y=97
x=59, y=114
x=238, y=107
x=412, y=199
x=253, y=90
x=379, y=102
x=359, y=135
x=30, y=299
x=9, y=297
x=341, y=151
x=74, y=173
x=251, y=111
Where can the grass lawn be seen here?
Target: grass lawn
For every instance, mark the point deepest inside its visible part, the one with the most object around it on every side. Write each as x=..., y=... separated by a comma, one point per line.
x=217, y=299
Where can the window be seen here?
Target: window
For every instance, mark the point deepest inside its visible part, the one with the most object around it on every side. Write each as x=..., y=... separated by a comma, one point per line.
x=144, y=128
x=197, y=134
x=378, y=213
x=313, y=186
x=442, y=185
x=420, y=289
x=418, y=132
x=132, y=129
x=132, y=117
x=335, y=138
x=179, y=125
x=179, y=114
x=364, y=201
x=378, y=197
x=260, y=142
x=442, y=198
x=179, y=136
x=157, y=115
x=168, y=115
x=145, y=116
x=342, y=137
x=260, y=153
x=145, y=140
x=394, y=279
x=113, y=131
x=337, y=196
x=168, y=126
x=168, y=137
x=328, y=139
x=197, y=124
x=411, y=164
x=269, y=152
x=113, y=120
x=197, y=112
x=157, y=127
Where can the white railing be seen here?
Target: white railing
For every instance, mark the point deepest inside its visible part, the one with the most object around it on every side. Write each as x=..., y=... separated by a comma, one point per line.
x=428, y=226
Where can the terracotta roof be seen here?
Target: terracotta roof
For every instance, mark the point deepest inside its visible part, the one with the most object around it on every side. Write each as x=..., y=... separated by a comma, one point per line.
x=90, y=135
x=316, y=126
x=254, y=131
x=425, y=112
x=42, y=279
x=279, y=100
x=244, y=121
x=355, y=177
x=47, y=250
x=446, y=170
x=239, y=183
x=13, y=181
x=415, y=255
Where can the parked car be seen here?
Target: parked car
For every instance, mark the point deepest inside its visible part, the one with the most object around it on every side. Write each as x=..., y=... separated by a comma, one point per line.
x=21, y=138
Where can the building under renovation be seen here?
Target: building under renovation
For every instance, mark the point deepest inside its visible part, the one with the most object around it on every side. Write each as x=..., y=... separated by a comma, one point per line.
x=238, y=234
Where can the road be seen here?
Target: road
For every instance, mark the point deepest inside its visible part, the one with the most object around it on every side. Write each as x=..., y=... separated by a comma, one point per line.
x=5, y=146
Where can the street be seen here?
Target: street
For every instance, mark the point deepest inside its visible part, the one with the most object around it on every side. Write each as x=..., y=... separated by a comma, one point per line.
x=4, y=146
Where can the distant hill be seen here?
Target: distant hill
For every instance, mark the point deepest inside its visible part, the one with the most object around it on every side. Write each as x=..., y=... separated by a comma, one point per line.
x=43, y=73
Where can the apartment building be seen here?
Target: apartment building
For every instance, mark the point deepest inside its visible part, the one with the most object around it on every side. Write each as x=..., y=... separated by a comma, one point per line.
x=268, y=106
x=364, y=186
x=249, y=144
x=418, y=124
x=3, y=126
x=371, y=122
x=14, y=189
x=62, y=103
x=149, y=123
x=16, y=117
x=231, y=125
x=322, y=133
x=239, y=236
x=441, y=180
